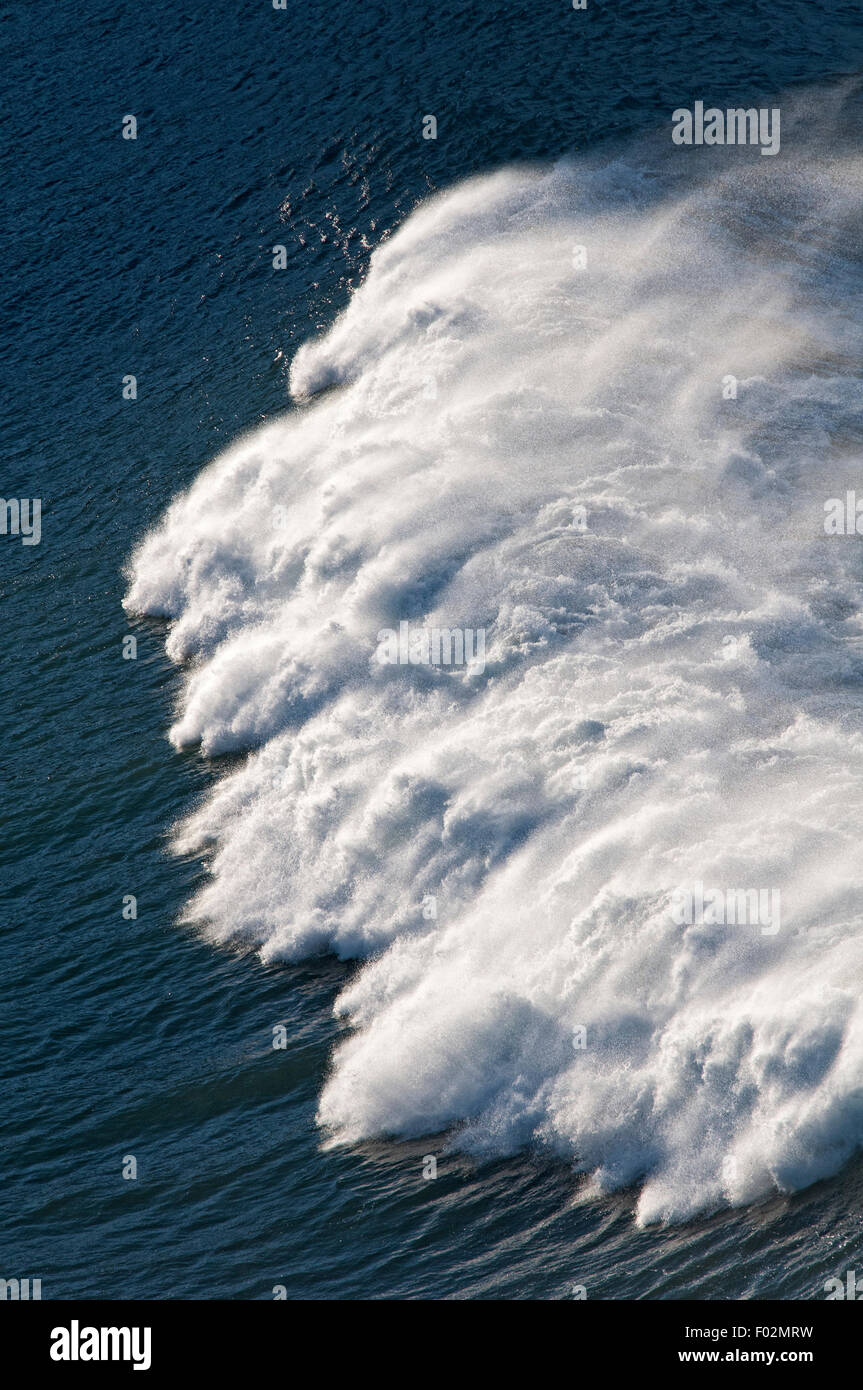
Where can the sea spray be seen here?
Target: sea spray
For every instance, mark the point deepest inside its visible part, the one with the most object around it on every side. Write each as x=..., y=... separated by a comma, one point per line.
x=671, y=686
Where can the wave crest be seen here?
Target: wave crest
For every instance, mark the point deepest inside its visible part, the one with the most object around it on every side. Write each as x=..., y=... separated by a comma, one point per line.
x=539, y=447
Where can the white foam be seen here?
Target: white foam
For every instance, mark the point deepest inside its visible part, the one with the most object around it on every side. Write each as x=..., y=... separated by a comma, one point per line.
x=671, y=694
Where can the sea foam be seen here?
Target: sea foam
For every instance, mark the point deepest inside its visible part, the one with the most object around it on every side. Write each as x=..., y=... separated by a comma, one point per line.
x=531, y=436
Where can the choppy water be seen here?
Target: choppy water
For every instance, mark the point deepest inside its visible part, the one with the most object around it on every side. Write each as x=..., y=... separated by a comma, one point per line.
x=671, y=687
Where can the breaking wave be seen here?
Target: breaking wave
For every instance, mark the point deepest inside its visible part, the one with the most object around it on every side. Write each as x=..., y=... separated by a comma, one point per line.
x=594, y=410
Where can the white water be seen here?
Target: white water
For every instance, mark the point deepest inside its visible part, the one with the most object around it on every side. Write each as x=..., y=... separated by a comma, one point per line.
x=671, y=694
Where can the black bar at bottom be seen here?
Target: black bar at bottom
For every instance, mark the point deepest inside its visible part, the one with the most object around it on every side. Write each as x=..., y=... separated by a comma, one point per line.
x=162, y=1339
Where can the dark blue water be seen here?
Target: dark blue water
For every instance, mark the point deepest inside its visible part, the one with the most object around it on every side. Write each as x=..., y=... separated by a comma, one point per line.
x=153, y=257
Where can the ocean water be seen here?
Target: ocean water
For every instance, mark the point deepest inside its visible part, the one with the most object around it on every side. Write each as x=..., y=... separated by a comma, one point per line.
x=485, y=392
